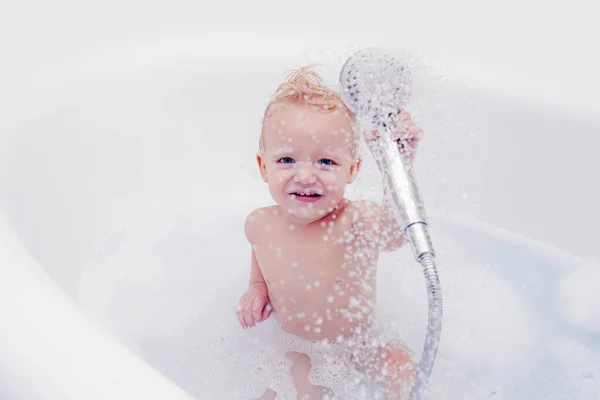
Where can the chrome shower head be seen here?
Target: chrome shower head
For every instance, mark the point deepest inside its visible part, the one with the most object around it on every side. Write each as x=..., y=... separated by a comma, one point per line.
x=375, y=83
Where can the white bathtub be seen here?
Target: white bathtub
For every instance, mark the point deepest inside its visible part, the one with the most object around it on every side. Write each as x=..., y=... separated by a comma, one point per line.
x=126, y=173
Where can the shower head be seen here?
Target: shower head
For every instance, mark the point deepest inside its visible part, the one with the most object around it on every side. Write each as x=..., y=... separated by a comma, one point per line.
x=375, y=83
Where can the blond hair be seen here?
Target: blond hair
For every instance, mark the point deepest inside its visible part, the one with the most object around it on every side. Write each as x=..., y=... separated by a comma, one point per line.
x=304, y=86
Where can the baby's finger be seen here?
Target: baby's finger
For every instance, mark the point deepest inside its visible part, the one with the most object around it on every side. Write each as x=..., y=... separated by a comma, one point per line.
x=248, y=313
x=240, y=315
x=243, y=323
x=404, y=116
x=410, y=127
x=414, y=130
x=371, y=135
x=408, y=144
x=407, y=122
x=266, y=313
x=257, y=308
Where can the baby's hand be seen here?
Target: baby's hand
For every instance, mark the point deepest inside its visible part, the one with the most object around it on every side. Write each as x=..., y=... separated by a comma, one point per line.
x=254, y=306
x=403, y=130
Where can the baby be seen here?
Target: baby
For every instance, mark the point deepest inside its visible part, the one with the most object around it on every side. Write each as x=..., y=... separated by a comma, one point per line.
x=314, y=253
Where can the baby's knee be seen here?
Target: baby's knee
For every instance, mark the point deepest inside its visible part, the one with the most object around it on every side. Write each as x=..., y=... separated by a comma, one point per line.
x=304, y=388
x=386, y=366
x=399, y=359
x=268, y=395
x=300, y=364
x=398, y=370
x=295, y=356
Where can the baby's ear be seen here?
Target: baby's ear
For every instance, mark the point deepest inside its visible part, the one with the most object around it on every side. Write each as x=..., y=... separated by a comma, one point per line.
x=354, y=168
x=262, y=166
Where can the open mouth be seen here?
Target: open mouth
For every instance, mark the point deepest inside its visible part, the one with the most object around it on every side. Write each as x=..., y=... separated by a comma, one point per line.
x=306, y=197
x=297, y=194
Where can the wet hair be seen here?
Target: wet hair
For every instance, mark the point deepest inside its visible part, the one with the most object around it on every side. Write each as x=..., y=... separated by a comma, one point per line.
x=306, y=87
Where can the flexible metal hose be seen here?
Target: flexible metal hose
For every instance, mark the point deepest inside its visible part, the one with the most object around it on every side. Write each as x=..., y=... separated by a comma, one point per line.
x=434, y=326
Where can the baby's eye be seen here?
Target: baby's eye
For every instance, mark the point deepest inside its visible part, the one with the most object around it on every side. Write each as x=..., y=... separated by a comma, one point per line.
x=326, y=161
x=286, y=160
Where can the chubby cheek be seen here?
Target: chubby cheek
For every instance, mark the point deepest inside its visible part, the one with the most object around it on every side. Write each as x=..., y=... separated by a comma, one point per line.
x=335, y=182
x=282, y=177
x=277, y=182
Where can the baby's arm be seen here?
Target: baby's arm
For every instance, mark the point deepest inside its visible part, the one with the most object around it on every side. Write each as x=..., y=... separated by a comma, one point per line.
x=377, y=224
x=254, y=305
x=392, y=234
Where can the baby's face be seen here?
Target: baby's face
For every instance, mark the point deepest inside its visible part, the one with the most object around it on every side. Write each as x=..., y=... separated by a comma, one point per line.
x=308, y=159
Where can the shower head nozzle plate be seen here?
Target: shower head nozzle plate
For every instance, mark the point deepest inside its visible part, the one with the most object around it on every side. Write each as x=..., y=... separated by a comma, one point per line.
x=375, y=82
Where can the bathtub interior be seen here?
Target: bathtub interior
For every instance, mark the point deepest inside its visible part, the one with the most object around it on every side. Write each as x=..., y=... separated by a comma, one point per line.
x=128, y=182
x=167, y=284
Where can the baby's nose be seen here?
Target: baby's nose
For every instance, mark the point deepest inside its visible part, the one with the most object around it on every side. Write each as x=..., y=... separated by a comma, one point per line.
x=305, y=175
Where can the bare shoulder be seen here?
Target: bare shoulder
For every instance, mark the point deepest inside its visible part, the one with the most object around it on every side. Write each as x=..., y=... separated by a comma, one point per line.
x=365, y=213
x=374, y=223
x=258, y=218
x=366, y=222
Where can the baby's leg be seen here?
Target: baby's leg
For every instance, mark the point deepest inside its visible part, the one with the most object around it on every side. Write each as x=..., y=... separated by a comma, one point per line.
x=267, y=395
x=391, y=367
x=300, y=369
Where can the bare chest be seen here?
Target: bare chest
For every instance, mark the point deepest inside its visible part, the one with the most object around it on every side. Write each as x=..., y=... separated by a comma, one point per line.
x=328, y=266
x=299, y=260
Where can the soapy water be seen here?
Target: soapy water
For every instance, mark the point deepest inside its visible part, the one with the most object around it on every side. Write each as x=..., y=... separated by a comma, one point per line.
x=167, y=285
